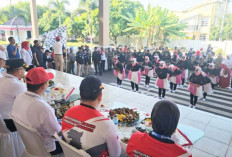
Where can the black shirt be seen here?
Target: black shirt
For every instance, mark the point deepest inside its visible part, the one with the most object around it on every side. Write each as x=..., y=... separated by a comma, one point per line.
x=87, y=58
x=118, y=67
x=162, y=73
x=80, y=57
x=136, y=67
x=39, y=54
x=122, y=57
x=197, y=79
x=183, y=64
x=148, y=64
x=96, y=56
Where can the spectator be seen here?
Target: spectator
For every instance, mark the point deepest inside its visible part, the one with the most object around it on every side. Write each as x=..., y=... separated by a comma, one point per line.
x=26, y=54
x=96, y=57
x=37, y=54
x=103, y=59
x=58, y=51
x=47, y=60
x=87, y=62
x=164, y=116
x=12, y=49
x=97, y=135
x=71, y=61
x=10, y=87
x=35, y=112
x=2, y=63
x=80, y=58
x=110, y=55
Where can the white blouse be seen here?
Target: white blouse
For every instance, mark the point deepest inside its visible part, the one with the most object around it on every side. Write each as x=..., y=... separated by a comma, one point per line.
x=27, y=56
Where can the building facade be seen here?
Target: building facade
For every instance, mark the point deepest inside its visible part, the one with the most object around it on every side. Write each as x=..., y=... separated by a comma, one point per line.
x=201, y=18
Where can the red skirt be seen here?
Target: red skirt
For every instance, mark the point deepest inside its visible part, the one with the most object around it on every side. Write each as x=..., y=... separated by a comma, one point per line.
x=224, y=82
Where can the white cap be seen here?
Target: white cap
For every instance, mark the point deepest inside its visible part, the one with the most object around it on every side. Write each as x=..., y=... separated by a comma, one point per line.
x=2, y=55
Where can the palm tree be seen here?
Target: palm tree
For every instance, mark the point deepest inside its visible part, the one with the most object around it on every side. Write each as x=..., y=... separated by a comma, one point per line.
x=59, y=5
x=89, y=6
x=155, y=24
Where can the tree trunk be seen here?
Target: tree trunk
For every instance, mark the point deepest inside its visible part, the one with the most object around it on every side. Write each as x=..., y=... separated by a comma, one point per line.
x=59, y=18
x=115, y=41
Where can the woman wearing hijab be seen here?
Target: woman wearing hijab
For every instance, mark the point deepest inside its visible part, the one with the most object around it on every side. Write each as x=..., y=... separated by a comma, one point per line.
x=26, y=54
x=196, y=80
x=162, y=78
x=175, y=77
x=148, y=70
x=164, y=116
x=134, y=74
x=119, y=71
x=213, y=74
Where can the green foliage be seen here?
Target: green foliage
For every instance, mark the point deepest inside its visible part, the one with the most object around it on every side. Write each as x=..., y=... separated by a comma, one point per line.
x=155, y=24
x=117, y=23
x=227, y=30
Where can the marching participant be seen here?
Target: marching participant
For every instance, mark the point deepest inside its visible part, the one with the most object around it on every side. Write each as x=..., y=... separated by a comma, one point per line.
x=162, y=78
x=119, y=71
x=148, y=71
x=2, y=63
x=224, y=79
x=196, y=80
x=207, y=88
x=175, y=78
x=134, y=74
x=213, y=74
x=156, y=62
x=183, y=65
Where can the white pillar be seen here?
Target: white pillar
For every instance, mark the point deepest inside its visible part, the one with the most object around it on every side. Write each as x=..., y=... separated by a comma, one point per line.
x=34, y=19
x=104, y=20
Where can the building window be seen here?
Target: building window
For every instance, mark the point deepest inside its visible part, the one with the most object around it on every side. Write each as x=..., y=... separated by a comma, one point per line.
x=11, y=33
x=28, y=34
x=204, y=21
x=202, y=37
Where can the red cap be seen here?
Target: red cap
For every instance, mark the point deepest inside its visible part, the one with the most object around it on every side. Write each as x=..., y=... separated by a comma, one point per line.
x=57, y=38
x=38, y=75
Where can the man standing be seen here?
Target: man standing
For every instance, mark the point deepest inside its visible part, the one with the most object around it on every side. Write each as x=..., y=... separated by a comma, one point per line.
x=87, y=62
x=80, y=58
x=86, y=128
x=37, y=54
x=110, y=55
x=10, y=87
x=13, y=51
x=58, y=51
x=96, y=57
x=71, y=61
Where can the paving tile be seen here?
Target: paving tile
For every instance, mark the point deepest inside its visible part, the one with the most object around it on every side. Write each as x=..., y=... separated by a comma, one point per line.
x=198, y=117
x=198, y=153
x=211, y=146
x=218, y=134
x=221, y=124
x=193, y=124
x=229, y=152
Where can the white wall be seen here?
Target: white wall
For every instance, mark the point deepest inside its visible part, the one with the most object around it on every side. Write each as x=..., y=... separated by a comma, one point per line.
x=19, y=36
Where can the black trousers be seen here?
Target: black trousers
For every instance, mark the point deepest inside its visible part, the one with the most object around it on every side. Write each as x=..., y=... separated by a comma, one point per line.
x=10, y=125
x=173, y=85
x=110, y=64
x=213, y=85
x=162, y=91
x=134, y=85
x=183, y=81
x=97, y=67
x=147, y=81
x=193, y=99
x=71, y=68
x=205, y=95
x=119, y=82
x=103, y=65
x=58, y=149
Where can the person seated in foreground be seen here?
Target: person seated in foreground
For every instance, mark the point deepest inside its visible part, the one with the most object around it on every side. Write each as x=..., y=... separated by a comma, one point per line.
x=10, y=87
x=164, y=116
x=84, y=127
x=31, y=109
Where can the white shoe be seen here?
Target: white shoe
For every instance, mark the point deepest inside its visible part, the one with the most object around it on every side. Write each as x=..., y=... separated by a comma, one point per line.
x=190, y=106
x=160, y=98
x=147, y=86
x=174, y=91
x=194, y=107
x=204, y=99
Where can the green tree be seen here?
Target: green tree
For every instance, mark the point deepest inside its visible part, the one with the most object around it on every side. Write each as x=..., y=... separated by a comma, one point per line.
x=155, y=24
x=117, y=23
x=59, y=5
x=226, y=32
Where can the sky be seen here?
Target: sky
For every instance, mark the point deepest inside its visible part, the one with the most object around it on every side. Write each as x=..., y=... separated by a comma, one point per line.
x=169, y=4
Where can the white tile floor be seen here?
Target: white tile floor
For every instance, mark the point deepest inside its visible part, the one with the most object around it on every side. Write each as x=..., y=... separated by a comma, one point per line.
x=217, y=140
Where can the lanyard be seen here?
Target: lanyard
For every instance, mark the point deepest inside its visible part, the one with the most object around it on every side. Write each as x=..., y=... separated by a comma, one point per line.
x=160, y=136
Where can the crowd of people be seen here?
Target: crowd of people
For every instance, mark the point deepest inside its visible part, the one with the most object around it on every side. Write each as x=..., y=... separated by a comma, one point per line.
x=83, y=126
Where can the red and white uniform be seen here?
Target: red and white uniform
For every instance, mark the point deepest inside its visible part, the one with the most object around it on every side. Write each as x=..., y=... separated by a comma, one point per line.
x=224, y=79
x=142, y=144
x=86, y=128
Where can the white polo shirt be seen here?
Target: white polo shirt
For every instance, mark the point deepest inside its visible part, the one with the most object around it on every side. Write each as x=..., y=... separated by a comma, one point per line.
x=2, y=72
x=57, y=47
x=10, y=88
x=32, y=110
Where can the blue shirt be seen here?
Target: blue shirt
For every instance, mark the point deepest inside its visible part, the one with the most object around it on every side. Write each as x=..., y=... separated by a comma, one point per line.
x=11, y=50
